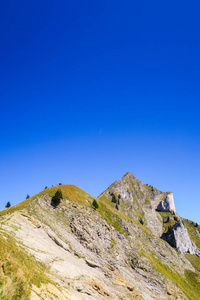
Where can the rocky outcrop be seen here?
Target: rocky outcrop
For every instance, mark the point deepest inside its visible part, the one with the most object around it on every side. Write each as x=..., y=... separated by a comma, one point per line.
x=136, y=200
x=167, y=205
x=178, y=237
x=143, y=202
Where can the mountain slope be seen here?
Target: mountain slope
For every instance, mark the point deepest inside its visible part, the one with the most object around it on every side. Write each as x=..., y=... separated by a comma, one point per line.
x=117, y=251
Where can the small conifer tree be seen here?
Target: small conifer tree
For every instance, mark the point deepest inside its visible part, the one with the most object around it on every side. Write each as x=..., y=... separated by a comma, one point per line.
x=27, y=196
x=95, y=204
x=8, y=205
x=56, y=198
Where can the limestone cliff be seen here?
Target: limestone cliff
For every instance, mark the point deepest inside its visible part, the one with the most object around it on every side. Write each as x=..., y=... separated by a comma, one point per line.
x=167, y=204
x=179, y=238
x=143, y=203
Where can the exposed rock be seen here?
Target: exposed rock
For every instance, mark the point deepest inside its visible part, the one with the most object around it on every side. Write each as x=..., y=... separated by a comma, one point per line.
x=92, y=264
x=106, y=253
x=136, y=201
x=167, y=204
x=178, y=237
x=183, y=241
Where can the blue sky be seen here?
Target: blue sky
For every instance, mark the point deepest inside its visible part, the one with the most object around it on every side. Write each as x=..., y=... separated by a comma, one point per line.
x=93, y=89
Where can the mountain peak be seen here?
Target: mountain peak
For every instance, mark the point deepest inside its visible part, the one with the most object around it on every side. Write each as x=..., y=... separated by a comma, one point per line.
x=133, y=230
x=129, y=175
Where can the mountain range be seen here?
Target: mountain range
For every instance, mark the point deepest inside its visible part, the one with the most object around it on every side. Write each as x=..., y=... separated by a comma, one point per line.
x=129, y=243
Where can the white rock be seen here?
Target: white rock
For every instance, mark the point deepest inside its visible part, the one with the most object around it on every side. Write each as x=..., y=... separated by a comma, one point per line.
x=167, y=204
x=183, y=241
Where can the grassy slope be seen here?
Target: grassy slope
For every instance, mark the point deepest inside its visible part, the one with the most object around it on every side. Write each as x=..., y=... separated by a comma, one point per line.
x=168, y=220
x=18, y=270
x=70, y=192
x=194, y=232
x=17, y=264
x=189, y=283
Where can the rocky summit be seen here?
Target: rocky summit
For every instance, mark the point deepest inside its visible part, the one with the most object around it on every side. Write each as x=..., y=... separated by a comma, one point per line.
x=129, y=243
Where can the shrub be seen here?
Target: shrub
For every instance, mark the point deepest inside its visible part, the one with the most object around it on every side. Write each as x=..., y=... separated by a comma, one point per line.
x=27, y=196
x=118, y=200
x=8, y=205
x=170, y=230
x=60, y=183
x=114, y=199
x=45, y=187
x=56, y=198
x=141, y=221
x=95, y=204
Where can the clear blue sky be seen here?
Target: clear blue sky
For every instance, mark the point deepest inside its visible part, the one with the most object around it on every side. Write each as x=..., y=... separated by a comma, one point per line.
x=93, y=89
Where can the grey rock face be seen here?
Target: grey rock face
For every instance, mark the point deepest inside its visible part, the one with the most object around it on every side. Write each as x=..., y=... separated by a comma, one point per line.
x=178, y=237
x=182, y=239
x=137, y=201
x=145, y=200
x=167, y=204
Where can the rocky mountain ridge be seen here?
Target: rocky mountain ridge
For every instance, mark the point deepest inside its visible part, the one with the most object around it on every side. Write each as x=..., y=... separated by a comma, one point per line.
x=137, y=199
x=133, y=246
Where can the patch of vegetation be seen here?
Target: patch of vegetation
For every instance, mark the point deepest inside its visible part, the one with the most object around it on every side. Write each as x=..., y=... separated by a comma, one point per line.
x=150, y=188
x=147, y=201
x=168, y=221
x=111, y=216
x=70, y=192
x=114, y=199
x=193, y=231
x=8, y=205
x=112, y=243
x=195, y=261
x=95, y=204
x=122, y=213
x=20, y=270
x=189, y=283
x=141, y=221
x=57, y=198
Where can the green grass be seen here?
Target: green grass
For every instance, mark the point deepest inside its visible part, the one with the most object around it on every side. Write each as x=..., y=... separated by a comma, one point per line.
x=111, y=216
x=19, y=271
x=23, y=270
x=70, y=192
x=115, y=218
x=113, y=243
x=195, y=261
x=167, y=224
x=189, y=283
x=125, y=210
x=192, y=231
